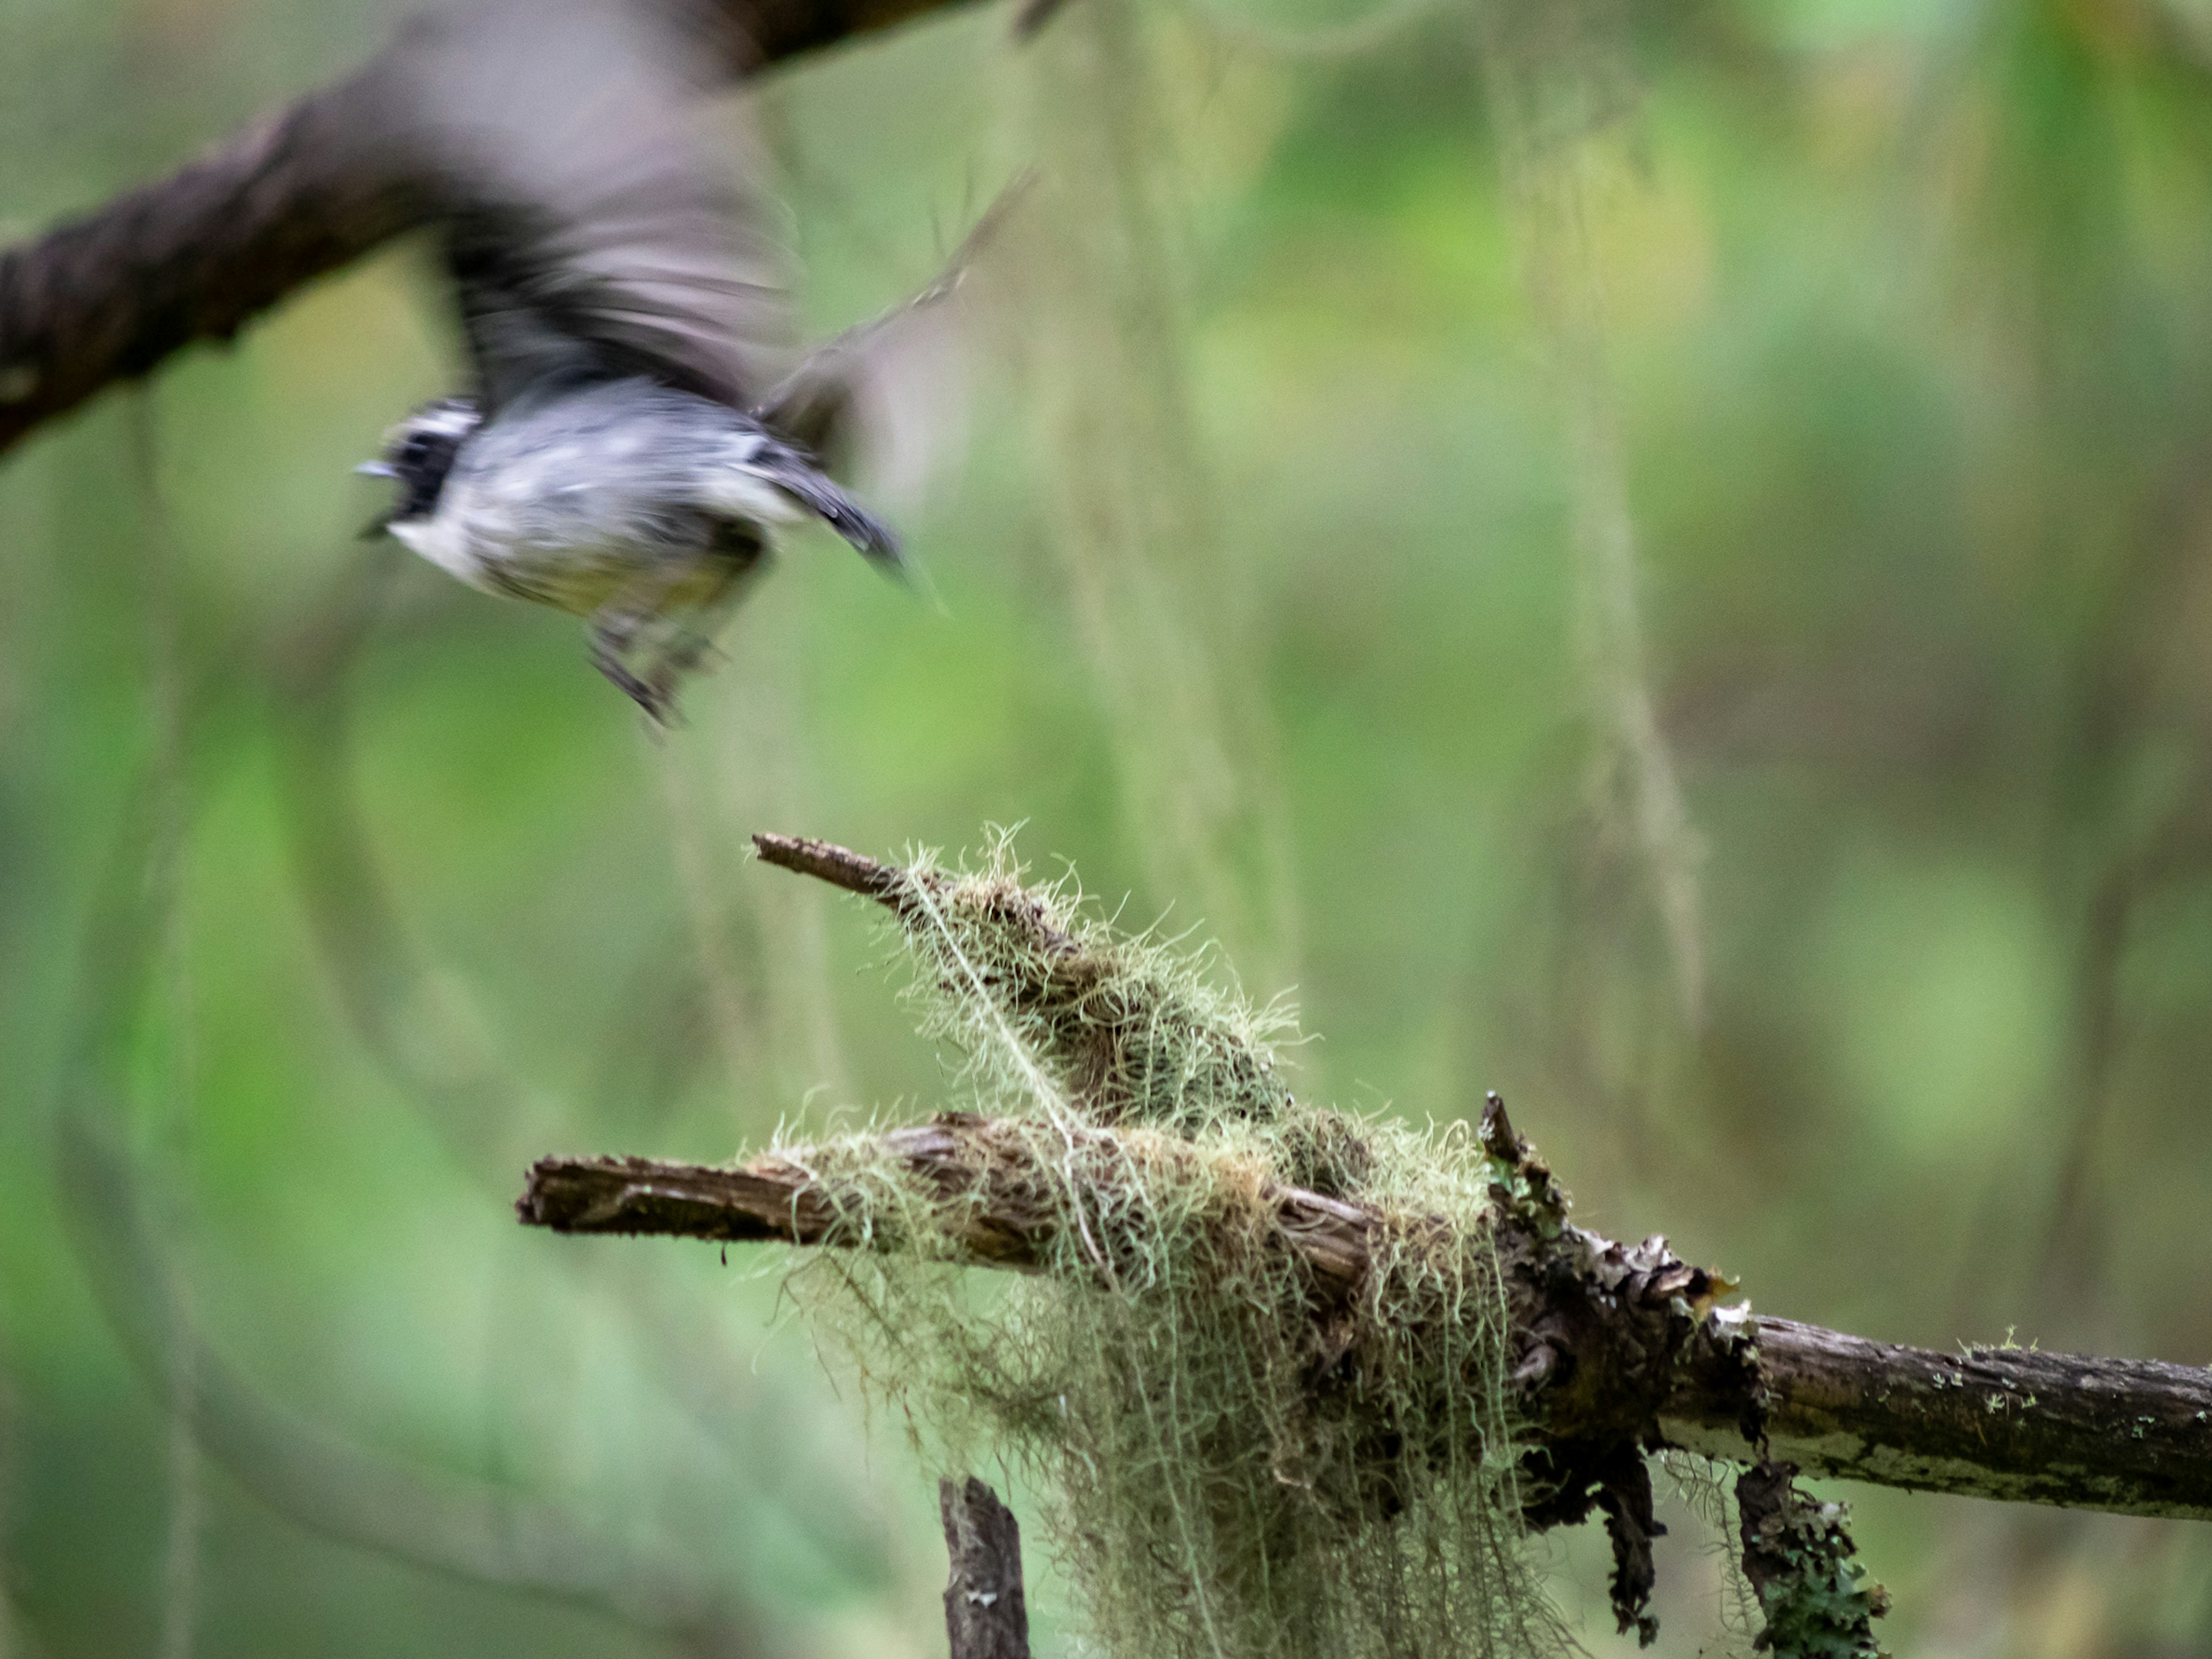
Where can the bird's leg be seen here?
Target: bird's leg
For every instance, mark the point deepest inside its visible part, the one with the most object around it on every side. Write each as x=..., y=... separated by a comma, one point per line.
x=739, y=559
x=614, y=627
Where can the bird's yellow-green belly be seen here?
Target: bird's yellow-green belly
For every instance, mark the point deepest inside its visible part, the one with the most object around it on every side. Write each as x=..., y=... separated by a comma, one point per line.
x=584, y=580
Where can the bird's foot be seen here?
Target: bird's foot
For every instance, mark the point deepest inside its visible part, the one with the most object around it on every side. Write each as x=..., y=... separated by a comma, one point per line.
x=656, y=696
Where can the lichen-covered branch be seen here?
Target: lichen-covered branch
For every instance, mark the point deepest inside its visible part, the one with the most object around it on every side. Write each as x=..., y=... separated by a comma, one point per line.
x=199, y=254
x=1266, y=1356
x=999, y=1206
x=2133, y=1437
x=1815, y=1599
x=1044, y=996
x=2130, y=1436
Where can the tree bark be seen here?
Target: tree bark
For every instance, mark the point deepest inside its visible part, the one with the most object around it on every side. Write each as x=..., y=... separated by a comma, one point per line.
x=2133, y=1437
x=197, y=255
x=986, y=1616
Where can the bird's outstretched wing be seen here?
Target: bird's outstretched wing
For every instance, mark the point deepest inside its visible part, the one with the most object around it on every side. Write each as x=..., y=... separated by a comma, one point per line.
x=595, y=224
x=885, y=397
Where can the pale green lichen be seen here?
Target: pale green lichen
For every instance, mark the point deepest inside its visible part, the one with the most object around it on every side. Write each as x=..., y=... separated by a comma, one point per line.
x=1050, y=1007
x=1233, y=1465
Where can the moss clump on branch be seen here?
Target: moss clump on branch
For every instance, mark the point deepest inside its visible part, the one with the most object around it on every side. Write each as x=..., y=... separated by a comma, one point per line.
x=1047, y=1002
x=1240, y=1458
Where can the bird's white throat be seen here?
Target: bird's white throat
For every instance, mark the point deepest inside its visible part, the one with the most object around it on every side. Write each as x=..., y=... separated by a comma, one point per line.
x=441, y=540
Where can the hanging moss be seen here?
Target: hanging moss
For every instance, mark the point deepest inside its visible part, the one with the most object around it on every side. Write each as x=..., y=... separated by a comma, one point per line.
x=1238, y=1458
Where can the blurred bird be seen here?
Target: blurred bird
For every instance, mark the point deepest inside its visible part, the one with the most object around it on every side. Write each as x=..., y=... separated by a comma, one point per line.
x=638, y=432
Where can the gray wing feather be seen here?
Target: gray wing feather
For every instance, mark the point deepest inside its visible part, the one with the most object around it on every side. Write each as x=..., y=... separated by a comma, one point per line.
x=889, y=388
x=590, y=230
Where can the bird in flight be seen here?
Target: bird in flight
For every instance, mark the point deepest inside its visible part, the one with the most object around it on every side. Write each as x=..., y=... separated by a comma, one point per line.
x=638, y=432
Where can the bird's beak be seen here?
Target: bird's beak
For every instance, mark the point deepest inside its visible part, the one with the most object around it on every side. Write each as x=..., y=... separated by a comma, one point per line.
x=377, y=470
x=375, y=528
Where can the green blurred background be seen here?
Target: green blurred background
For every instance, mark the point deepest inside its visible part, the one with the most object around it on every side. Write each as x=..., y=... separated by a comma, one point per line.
x=1657, y=558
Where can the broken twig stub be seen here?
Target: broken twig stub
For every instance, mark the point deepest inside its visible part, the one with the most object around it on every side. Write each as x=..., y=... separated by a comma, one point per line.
x=986, y=1616
x=1816, y=1600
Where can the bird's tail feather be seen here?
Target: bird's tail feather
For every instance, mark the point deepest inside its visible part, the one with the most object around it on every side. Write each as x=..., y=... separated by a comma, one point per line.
x=805, y=483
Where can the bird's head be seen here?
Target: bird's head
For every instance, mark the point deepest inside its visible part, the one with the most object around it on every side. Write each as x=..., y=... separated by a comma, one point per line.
x=418, y=453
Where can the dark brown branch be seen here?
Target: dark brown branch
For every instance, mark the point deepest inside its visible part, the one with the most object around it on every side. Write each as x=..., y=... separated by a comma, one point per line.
x=1005, y=1223
x=199, y=254
x=986, y=1616
x=856, y=873
x=895, y=888
x=2130, y=1436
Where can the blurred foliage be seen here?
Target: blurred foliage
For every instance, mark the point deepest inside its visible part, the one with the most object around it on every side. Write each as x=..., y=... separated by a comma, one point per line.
x=1907, y=342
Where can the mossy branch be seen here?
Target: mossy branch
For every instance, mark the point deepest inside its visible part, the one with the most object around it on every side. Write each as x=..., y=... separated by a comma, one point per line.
x=2131, y=1437
x=1301, y=1380
x=998, y=1208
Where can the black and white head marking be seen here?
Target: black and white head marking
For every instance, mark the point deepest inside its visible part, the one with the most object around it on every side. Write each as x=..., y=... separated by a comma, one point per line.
x=419, y=453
